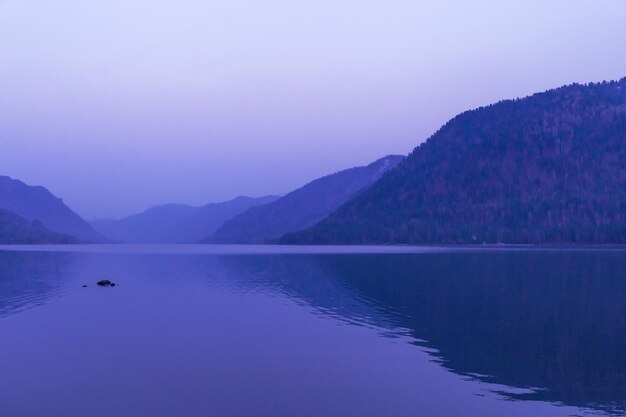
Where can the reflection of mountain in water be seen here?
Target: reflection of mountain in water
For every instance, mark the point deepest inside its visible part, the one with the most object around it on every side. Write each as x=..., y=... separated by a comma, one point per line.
x=307, y=280
x=29, y=279
x=554, y=320
x=549, y=319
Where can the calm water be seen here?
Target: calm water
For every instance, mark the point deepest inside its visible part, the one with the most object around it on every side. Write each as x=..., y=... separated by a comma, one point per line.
x=269, y=331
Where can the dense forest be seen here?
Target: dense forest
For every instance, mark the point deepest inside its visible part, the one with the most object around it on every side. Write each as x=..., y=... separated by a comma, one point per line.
x=549, y=168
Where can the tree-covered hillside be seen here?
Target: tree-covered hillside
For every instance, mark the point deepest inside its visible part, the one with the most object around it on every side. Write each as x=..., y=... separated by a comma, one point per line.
x=550, y=168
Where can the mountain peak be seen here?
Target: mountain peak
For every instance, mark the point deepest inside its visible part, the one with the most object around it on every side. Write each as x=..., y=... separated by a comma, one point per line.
x=37, y=203
x=302, y=207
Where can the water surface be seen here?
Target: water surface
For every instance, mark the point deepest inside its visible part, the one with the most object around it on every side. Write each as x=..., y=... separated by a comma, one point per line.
x=312, y=331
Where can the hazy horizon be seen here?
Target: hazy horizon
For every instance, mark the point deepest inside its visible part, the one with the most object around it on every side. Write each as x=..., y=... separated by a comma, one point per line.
x=120, y=106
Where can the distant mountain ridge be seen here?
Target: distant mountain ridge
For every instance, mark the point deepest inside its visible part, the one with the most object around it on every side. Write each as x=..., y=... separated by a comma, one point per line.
x=15, y=229
x=37, y=203
x=549, y=168
x=303, y=207
x=176, y=223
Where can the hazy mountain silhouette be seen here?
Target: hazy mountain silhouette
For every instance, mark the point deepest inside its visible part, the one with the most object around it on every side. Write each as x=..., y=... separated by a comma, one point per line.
x=37, y=203
x=549, y=168
x=303, y=207
x=15, y=229
x=176, y=223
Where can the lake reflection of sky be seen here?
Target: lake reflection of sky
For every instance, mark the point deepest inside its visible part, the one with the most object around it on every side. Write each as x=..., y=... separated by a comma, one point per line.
x=441, y=333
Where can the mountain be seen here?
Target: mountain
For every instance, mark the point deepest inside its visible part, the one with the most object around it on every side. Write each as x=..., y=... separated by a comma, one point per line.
x=303, y=207
x=549, y=168
x=37, y=203
x=15, y=229
x=176, y=223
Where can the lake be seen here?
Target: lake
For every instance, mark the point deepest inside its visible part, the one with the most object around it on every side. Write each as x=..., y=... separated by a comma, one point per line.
x=195, y=330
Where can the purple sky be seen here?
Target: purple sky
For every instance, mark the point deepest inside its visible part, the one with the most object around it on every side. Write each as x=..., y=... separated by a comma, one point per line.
x=119, y=105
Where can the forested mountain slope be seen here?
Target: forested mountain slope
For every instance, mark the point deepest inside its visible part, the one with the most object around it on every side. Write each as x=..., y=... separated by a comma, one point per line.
x=549, y=168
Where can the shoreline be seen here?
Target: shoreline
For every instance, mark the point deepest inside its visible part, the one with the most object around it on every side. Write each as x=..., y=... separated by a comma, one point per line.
x=270, y=249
